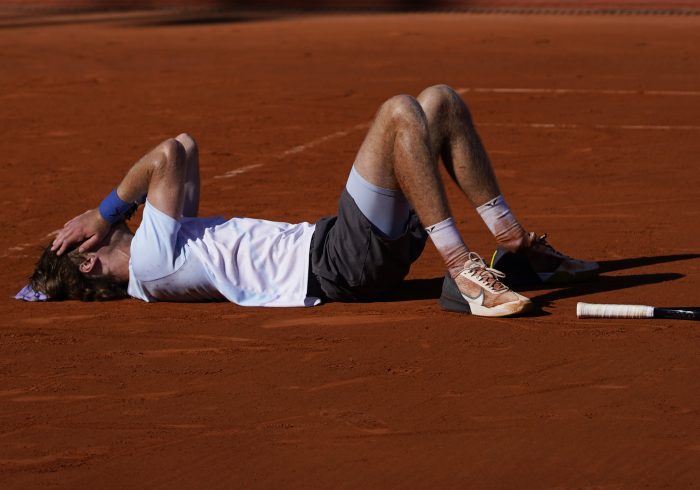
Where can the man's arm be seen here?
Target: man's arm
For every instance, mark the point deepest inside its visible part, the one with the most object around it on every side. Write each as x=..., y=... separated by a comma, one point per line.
x=162, y=173
x=190, y=206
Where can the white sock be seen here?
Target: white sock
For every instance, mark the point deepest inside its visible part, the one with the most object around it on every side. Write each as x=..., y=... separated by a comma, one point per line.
x=502, y=222
x=447, y=240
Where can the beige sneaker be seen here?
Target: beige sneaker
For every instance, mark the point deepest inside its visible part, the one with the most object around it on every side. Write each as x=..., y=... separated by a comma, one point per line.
x=478, y=290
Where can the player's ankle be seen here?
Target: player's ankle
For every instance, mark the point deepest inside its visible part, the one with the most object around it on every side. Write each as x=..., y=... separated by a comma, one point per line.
x=456, y=264
x=449, y=244
x=513, y=243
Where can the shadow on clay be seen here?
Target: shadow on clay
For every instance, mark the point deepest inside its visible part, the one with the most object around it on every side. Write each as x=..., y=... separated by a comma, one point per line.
x=422, y=289
x=416, y=289
x=206, y=18
x=623, y=264
x=155, y=18
x=603, y=284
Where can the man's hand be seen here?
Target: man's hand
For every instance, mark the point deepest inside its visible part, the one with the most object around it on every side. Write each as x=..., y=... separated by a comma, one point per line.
x=89, y=228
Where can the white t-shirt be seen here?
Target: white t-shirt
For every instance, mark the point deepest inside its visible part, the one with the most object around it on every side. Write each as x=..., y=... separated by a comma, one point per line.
x=250, y=262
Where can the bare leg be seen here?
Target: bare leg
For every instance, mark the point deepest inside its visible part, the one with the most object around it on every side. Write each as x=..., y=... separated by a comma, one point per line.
x=454, y=138
x=397, y=154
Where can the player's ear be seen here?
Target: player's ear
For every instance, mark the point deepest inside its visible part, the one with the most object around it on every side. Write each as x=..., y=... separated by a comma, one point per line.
x=89, y=263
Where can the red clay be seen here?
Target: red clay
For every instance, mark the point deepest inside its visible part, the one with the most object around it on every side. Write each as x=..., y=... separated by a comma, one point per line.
x=389, y=394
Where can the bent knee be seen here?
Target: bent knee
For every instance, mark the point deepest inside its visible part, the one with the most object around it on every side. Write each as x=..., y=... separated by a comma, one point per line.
x=442, y=97
x=440, y=90
x=402, y=109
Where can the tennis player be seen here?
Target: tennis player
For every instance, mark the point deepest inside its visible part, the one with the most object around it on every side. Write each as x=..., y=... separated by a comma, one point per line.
x=392, y=203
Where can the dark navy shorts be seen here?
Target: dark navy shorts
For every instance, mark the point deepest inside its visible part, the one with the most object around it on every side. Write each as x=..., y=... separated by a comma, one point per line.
x=352, y=261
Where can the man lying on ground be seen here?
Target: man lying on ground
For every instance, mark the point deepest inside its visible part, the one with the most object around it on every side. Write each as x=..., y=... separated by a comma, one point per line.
x=392, y=202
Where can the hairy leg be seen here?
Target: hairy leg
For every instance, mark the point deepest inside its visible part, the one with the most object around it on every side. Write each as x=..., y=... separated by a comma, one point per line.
x=397, y=154
x=454, y=138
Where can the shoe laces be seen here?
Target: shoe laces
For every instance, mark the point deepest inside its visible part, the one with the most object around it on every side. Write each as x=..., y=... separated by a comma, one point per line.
x=542, y=241
x=491, y=278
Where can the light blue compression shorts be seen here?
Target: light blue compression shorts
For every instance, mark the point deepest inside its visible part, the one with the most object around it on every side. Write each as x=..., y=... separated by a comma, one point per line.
x=386, y=209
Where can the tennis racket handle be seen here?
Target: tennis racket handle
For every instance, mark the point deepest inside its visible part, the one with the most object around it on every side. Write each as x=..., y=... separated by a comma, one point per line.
x=590, y=310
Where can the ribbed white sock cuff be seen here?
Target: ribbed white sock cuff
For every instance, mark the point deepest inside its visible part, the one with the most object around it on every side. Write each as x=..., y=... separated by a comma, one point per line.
x=449, y=243
x=500, y=220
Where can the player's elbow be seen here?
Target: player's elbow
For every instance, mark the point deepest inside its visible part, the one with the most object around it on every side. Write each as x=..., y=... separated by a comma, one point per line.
x=190, y=145
x=188, y=141
x=171, y=155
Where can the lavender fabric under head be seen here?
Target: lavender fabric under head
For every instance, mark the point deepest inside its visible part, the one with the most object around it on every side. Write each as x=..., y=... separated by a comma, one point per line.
x=28, y=294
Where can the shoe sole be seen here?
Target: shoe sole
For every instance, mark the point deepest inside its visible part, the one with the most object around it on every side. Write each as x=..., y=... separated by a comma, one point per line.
x=450, y=304
x=449, y=301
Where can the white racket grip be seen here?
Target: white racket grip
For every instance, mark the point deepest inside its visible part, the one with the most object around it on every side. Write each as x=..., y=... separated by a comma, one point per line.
x=590, y=310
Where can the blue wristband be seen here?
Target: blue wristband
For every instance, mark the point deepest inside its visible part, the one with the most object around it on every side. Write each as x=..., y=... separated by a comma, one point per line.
x=113, y=209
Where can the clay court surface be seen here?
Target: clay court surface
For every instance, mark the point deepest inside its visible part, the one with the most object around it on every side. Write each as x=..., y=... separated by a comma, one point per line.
x=593, y=125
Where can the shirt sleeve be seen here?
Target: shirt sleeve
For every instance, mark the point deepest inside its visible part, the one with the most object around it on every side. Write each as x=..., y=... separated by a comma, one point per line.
x=156, y=251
